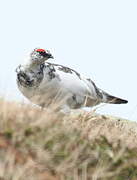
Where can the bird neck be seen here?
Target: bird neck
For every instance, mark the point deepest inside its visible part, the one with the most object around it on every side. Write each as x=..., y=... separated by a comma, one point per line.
x=30, y=65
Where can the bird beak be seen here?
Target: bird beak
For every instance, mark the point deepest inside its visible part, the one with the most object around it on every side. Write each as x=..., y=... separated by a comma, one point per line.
x=50, y=56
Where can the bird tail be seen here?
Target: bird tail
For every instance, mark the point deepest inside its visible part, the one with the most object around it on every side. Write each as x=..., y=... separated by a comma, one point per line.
x=115, y=100
x=107, y=98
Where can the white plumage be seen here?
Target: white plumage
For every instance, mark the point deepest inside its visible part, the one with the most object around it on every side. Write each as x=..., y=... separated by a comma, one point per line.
x=46, y=84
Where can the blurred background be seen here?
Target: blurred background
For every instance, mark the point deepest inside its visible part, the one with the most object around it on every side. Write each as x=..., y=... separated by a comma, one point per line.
x=96, y=38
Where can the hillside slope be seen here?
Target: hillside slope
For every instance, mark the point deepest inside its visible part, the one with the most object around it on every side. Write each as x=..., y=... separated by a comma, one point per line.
x=43, y=145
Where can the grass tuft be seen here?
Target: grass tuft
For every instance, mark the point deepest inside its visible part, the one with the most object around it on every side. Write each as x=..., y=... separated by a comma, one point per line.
x=45, y=145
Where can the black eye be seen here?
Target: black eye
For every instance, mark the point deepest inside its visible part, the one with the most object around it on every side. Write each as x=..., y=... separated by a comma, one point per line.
x=42, y=53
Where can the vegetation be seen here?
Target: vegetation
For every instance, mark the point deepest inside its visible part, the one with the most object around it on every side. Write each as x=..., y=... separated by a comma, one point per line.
x=40, y=144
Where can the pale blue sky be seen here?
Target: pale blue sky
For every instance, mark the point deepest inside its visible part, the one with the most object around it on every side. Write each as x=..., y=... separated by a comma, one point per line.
x=97, y=38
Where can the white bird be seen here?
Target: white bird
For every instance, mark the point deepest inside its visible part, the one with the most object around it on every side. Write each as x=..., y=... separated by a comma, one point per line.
x=45, y=84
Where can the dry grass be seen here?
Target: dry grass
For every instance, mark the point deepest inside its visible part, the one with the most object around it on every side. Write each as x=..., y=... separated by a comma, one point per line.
x=43, y=145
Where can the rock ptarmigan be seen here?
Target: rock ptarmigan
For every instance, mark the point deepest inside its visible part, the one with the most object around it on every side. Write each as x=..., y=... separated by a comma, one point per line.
x=45, y=84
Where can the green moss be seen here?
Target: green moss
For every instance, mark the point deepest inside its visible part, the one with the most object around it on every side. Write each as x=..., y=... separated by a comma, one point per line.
x=8, y=134
x=28, y=132
x=48, y=145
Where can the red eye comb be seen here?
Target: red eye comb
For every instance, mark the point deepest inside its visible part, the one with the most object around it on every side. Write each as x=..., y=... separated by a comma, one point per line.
x=40, y=50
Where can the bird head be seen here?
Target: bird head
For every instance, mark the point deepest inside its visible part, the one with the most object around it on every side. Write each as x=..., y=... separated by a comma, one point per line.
x=39, y=56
